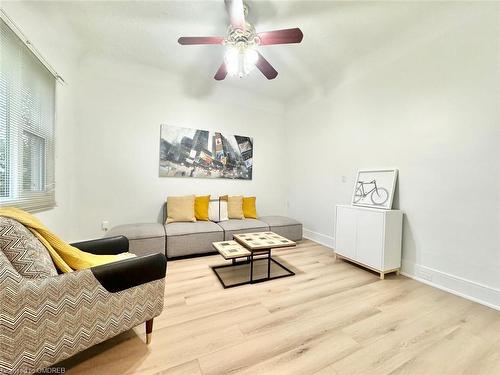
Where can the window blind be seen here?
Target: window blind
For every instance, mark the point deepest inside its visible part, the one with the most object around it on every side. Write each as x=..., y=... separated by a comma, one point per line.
x=27, y=116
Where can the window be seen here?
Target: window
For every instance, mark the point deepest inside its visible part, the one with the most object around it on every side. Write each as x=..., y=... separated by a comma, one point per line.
x=27, y=107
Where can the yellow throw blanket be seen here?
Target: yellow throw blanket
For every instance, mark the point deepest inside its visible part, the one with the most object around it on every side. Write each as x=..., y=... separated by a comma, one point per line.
x=66, y=257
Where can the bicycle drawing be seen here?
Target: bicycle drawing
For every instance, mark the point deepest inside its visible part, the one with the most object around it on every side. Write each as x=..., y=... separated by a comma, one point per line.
x=378, y=195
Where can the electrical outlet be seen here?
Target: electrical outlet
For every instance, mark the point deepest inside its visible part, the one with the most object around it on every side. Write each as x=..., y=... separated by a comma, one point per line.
x=344, y=179
x=105, y=225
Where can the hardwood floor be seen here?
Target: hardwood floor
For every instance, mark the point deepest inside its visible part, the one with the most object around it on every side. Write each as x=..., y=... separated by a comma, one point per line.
x=330, y=318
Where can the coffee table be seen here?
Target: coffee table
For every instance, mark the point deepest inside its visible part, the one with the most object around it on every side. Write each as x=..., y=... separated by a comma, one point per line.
x=252, y=247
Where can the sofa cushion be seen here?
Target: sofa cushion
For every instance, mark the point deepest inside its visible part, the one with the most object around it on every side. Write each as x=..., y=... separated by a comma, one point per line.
x=284, y=226
x=236, y=224
x=242, y=226
x=249, y=208
x=144, y=238
x=180, y=208
x=235, y=207
x=24, y=251
x=180, y=229
x=201, y=207
x=217, y=210
x=192, y=238
x=278, y=221
x=139, y=230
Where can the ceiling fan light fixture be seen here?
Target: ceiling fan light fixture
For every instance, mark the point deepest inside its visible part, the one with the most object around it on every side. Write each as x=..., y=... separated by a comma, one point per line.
x=240, y=61
x=251, y=58
x=241, y=56
x=232, y=60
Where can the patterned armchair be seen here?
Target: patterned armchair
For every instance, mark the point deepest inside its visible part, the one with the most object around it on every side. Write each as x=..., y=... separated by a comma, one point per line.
x=46, y=317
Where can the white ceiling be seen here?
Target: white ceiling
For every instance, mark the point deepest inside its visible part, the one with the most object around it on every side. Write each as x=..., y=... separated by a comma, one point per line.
x=336, y=34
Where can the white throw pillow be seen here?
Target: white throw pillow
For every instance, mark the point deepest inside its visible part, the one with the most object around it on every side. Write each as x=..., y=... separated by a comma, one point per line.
x=213, y=211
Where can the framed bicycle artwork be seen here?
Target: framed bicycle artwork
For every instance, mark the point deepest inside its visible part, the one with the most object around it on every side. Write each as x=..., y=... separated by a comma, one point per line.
x=375, y=188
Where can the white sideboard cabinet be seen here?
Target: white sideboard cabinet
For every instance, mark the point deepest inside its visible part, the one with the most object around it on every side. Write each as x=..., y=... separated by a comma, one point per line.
x=369, y=237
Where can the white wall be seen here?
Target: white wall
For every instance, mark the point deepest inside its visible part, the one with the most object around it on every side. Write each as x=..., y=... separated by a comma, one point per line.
x=430, y=107
x=427, y=104
x=120, y=109
x=60, y=50
x=108, y=126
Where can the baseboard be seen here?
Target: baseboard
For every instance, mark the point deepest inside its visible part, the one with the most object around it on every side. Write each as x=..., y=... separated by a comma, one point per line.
x=459, y=286
x=320, y=238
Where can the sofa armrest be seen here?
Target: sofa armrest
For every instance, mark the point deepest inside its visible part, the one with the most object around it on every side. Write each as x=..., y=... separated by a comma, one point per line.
x=127, y=273
x=104, y=246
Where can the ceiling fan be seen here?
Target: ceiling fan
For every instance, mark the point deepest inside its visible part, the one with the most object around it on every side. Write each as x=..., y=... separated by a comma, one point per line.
x=241, y=55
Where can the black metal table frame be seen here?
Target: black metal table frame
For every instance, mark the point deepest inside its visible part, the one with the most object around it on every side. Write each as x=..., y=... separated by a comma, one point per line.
x=254, y=256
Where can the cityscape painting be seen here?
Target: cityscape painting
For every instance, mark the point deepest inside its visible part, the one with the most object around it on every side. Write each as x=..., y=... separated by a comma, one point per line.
x=186, y=152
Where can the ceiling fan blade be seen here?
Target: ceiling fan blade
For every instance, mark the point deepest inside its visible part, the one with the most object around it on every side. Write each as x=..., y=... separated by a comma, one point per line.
x=221, y=72
x=236, y=11
x=267, y=69
x=281, y=36
x=190, y=40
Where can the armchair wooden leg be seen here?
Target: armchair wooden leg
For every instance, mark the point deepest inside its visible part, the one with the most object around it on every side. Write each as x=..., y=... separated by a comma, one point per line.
x=149, y=330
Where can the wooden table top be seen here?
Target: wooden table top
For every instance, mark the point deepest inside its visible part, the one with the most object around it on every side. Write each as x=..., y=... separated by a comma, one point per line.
x=230, y=249
x=263, y=240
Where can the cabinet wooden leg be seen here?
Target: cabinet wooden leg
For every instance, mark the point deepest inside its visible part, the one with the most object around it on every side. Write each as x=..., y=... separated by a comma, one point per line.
x=149, y=330
x=397, y=272
x=382, y=276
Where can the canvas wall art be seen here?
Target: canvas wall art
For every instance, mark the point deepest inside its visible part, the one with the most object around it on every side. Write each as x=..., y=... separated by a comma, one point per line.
x=186, y=152
x=375, y=188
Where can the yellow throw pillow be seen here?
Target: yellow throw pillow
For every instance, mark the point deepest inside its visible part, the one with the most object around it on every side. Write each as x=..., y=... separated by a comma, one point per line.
x=180, y=208
x=235, y=207
x=201, y=207
x=249, y=209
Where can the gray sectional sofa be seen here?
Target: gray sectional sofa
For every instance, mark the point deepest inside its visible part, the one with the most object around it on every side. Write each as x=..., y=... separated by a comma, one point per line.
x=187, y=239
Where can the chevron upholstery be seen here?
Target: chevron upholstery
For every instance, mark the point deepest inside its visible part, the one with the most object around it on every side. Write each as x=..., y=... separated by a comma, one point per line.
x=24, y=251
x=46, y=320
